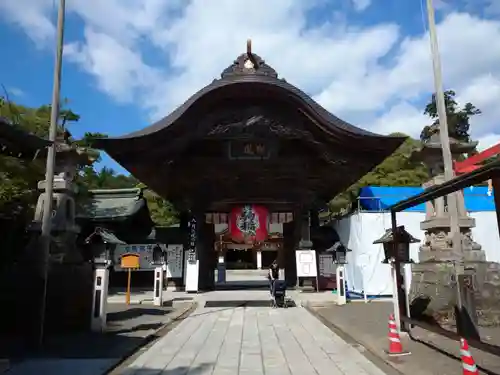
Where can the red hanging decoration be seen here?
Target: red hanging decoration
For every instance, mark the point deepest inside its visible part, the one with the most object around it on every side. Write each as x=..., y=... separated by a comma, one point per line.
x=249, y=224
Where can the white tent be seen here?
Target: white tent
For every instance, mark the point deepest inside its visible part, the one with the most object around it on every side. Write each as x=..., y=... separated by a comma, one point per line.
x=365, y=271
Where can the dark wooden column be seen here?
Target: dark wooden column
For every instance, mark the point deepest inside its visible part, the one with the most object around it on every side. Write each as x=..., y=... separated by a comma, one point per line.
x=314, y=218
x=304, y=224
x=206, y=256
x=314, y=215
x=289, y=244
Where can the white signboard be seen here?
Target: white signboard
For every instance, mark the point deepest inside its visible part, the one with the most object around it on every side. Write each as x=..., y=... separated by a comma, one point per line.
x=306, y=263
x=174, y=261
x=191, y=274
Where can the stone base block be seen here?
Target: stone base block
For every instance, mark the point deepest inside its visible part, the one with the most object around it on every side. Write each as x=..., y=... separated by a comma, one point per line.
x=435, y=281
x=68, y=302
x=69, y=298
x=175, y=284
x=444, y=222
x=447, y=255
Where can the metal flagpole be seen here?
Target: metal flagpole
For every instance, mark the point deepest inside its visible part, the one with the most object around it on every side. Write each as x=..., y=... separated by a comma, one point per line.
x=445, y=140
x=49, y=174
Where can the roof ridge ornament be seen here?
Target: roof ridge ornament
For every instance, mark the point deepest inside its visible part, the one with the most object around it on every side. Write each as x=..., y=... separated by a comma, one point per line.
x=249, y=63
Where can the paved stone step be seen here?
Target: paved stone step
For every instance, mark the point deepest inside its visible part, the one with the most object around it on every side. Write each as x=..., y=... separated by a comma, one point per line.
x=235, y=304
x=252, y=340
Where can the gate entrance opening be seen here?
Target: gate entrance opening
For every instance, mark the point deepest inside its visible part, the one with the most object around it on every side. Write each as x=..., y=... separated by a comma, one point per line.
x=248, y=139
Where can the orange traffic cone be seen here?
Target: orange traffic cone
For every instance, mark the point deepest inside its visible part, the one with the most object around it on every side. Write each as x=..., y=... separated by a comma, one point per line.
x=395, y=346
x=468, y=365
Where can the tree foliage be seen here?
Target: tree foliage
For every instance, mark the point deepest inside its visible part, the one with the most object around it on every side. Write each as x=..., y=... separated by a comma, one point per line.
x=162, y=212
x=397, y=170
x=458, y=118
x=18, y=189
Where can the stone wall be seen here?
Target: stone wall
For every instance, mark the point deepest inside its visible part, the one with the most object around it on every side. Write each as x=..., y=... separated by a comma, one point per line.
x=436, y=281
x=68, y=303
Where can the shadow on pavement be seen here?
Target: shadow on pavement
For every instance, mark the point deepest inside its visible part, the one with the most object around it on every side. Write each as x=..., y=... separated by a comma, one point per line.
x=134, y=312
x=204, y=368
x=128, y=327
x=74, y=346
x=367, y=325
x=89, y=353
x=243, y=285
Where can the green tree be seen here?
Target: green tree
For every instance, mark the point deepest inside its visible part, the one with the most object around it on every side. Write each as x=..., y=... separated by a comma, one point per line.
x=19, y=178
x=18, y=191
x=88, y=138
x=458, y=118
x=162, y=211
x=397, y=170
x=105, y=178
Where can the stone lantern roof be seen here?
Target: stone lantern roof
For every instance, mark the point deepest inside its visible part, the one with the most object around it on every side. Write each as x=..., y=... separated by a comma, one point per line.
x=404, y=237
x=432, y=147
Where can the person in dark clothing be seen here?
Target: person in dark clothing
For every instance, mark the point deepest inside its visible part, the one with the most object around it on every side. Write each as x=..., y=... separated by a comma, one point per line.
x=273, y=275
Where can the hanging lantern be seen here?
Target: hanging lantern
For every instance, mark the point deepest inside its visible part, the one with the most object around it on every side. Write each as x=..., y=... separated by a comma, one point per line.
x=159, y=256
x=249, y=224
x=402, y=251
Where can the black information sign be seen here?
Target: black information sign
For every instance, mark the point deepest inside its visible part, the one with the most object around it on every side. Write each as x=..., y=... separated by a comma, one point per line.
x=192, y=240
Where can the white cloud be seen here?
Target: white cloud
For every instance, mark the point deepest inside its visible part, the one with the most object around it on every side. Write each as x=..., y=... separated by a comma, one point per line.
x=487, y=141
x=403, y=118
x=361, y=5
x=484, y=92
x=121, y=71
x=15, y=91
x=370, y=75
x=34, y=17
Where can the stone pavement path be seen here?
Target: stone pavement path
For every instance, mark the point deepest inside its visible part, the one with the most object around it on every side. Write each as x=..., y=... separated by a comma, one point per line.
x=252, y=341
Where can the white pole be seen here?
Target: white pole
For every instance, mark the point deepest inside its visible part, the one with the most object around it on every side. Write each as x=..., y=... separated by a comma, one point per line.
x=443, y=131
x=49, y=173
x=407, y=290
x=365, y=294
x=395, y=299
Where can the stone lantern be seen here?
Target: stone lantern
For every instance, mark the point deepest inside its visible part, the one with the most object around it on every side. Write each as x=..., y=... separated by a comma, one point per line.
x=402, y=252
x=340, y=253
x=434, y=276
x=160, y=263
x=437, y=245
x=70, y=273
x=159, y=256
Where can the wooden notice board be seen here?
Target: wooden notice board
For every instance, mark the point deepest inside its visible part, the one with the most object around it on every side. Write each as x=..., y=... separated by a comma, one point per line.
x=130, y=260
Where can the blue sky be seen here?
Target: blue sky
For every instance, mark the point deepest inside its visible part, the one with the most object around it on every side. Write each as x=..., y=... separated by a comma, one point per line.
x=128, y=63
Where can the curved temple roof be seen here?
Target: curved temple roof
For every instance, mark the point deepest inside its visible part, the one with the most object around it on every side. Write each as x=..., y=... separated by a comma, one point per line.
x=249, y=71
x=251, y=83
x=17, y=142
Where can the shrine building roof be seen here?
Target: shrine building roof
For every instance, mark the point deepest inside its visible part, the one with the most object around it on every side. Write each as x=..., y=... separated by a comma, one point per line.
x=298, y=148
x=15, y=141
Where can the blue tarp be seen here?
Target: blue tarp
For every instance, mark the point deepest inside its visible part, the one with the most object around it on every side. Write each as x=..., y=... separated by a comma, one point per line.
x=380, y=198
